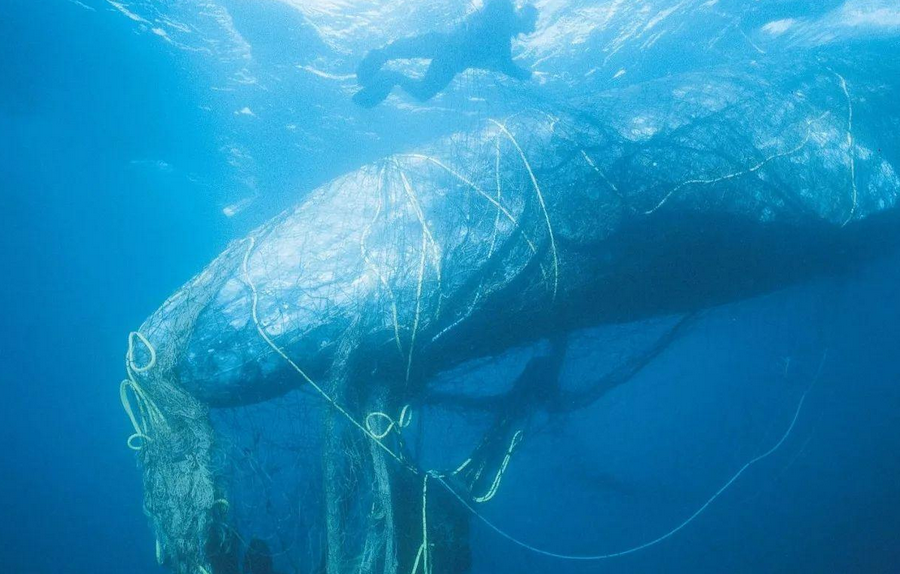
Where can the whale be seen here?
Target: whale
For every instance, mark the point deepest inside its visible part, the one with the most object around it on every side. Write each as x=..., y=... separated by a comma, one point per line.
x=545, y=220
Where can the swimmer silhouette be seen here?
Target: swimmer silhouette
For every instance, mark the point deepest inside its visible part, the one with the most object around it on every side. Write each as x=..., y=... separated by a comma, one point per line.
x=481, y=41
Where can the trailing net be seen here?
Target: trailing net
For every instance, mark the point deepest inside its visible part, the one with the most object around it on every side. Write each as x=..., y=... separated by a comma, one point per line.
x=278, y=399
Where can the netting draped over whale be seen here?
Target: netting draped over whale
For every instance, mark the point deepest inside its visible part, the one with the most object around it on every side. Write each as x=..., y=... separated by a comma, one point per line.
x=279, y=397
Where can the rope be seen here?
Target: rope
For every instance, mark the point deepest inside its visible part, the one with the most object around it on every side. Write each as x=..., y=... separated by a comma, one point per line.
x=851, y=149
x=322, y=392
x=141, y=428
x=540, y=196
x=404, y=419
x=655, y=541
x=129, y=356
x=426, y=569
x=365, y=255
x=148, y=414
x=422, y=554
x=506, y=213
x=420, y=282
x=402, y=422
x=492, y=491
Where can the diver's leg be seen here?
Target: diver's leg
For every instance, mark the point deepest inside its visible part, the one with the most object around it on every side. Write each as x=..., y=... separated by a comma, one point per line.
x=378, y=89
x=368, y=69
x=423, y=46
x=439, y=75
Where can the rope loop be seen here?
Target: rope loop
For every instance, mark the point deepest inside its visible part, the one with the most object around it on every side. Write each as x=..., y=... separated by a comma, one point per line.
x=390, y=424
x=144, y=416
x=137, y=445
x=129, y=356
x=405, y=417
x=148, y=414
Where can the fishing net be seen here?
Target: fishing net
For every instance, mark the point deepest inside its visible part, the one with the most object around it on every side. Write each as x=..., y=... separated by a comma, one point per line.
x=282, y=399
x=352, y=324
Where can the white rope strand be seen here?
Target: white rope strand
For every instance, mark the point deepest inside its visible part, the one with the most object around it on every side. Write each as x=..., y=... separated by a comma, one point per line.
x=657, y=540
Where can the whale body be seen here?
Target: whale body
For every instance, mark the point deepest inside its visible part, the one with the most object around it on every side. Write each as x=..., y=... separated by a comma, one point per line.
x=666, y=197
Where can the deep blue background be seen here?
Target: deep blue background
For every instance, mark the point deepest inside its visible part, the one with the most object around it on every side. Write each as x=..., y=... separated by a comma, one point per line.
x=93, y=236
x=111, y=183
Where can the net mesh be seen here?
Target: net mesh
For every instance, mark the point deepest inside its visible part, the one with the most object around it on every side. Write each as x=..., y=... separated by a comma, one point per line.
x=278, y=398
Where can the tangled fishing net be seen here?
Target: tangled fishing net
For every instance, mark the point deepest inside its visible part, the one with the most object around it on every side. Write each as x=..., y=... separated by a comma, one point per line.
x=281, y=398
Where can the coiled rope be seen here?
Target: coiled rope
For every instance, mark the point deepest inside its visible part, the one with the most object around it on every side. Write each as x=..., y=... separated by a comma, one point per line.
x=148, y=415
x=402, y=422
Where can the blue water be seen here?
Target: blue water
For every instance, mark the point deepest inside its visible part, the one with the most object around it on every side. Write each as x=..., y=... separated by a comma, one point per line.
x=121, y=168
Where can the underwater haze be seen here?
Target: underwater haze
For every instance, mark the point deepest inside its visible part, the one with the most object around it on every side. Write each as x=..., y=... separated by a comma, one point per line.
x=622, y=298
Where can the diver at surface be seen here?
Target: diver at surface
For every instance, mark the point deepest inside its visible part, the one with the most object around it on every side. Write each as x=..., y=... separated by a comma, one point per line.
x=481, y=41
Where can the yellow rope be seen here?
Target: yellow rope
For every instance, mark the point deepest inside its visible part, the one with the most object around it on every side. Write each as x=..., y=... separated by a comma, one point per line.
x=129, y=356
x=148, y=414
x=418, y=559
x=662, y=537
x=851, y=149
x=422, y=554
x=321, y=391
x=140, y=430
x=752, y=169
x=423, y=222
x=425, y=551
x=426, y=237
x=477, y=190
x=405, y=417
x=365, y=255
x=401, y=422
x=540, y=196
x=492, y=491
x=499, y=190
x=460, y=468
x=419, y=283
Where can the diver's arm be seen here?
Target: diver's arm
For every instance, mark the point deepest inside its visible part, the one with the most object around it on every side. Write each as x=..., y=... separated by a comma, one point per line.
x=509, y=68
